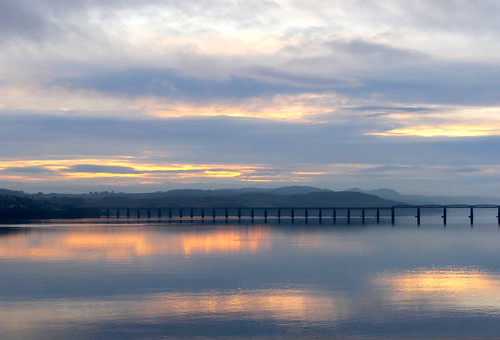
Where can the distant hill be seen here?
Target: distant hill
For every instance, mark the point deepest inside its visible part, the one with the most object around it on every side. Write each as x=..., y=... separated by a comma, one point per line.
x=420, y=199
x=209, y=198
x=296, y=190
x=290, y=196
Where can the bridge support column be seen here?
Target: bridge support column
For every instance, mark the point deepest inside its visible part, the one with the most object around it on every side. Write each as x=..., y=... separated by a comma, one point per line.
x=418, y=216
x=363, y=215
x=445, y=217
x=471, y=216
x=378, y=215
x=348, y=215
x=393, y=215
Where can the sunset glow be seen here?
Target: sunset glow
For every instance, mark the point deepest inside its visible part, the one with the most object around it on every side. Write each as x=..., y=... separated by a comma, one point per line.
x=123, y=245
x=444, y=131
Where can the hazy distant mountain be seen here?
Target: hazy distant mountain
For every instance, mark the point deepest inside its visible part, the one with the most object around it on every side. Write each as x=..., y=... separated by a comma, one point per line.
x=420, y=199
x=295, y=190
x=7, y=192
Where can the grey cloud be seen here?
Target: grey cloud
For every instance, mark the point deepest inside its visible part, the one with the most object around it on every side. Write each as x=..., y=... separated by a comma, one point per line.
x=301, y=80
x=103, y=169
x=21, y=18
x=176, y=85
x=27, y=170
x=452, y=83
x=389, y=168
x=375, y=52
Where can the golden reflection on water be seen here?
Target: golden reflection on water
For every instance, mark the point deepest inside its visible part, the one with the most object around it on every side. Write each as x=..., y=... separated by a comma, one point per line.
x=119, y=244
x=280, y=304
x=443, y=287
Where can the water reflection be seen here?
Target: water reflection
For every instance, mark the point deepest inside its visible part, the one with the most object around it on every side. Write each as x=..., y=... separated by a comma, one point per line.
x=249, y=281
x=443, y=288
x=115, y=243
x=278, y=305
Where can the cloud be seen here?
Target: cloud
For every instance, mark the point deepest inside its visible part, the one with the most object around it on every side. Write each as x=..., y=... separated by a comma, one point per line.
x=20, y=18
x=27, y=170
x=376, y=53
x=389, y=169
x=178, y=86
x=93, y=168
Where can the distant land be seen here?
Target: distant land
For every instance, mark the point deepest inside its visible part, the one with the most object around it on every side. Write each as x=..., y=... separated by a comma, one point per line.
x=20, y=205
x=420, y=199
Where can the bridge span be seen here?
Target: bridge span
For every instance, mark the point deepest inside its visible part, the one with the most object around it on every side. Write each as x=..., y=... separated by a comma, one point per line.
x=321, y=214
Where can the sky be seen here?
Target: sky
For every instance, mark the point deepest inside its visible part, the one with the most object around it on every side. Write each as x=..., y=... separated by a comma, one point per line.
x=153, y=95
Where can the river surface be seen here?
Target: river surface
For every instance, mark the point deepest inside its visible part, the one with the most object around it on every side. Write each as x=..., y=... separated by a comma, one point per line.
x=253, y=281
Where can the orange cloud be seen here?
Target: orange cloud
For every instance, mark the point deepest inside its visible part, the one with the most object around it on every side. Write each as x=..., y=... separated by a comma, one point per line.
x=442, y=131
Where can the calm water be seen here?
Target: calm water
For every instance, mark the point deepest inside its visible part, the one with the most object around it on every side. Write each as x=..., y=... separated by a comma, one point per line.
x=155, y=281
